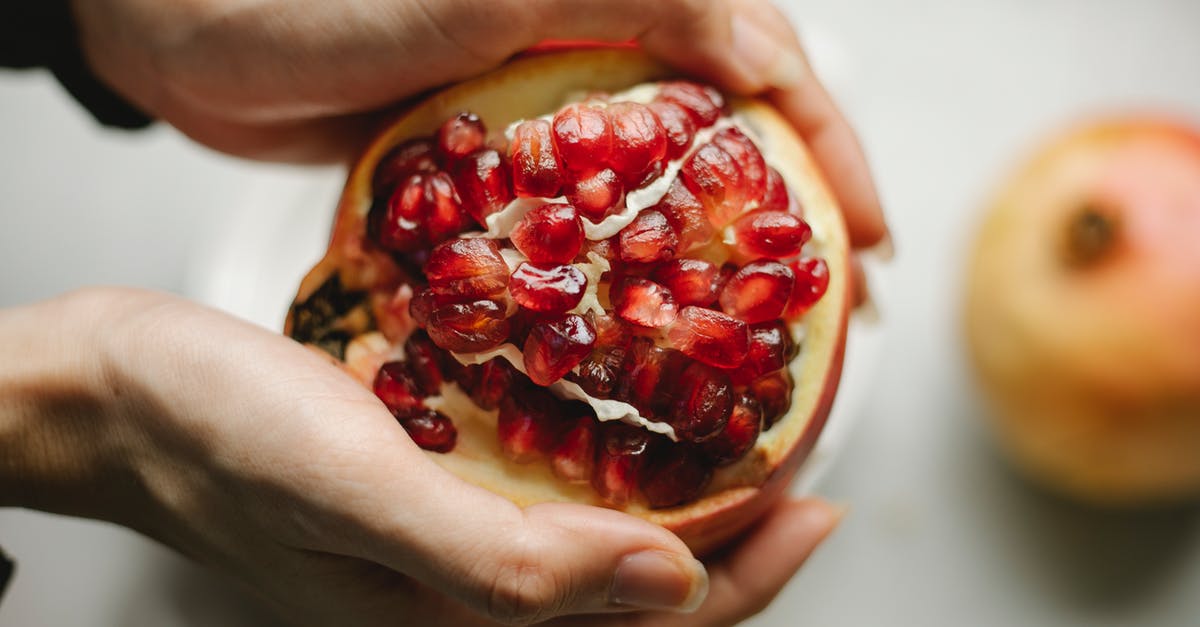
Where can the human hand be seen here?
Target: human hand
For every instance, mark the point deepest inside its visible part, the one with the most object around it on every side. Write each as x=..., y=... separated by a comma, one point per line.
x=301, y=80
x=259, y=458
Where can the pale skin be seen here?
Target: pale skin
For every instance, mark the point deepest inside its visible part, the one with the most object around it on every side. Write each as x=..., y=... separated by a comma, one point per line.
x=258, y=458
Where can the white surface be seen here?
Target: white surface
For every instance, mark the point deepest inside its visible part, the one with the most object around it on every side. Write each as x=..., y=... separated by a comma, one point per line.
x=946, y=96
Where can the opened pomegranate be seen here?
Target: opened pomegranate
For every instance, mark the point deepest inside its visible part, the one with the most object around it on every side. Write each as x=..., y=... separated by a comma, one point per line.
x=1083, y=313
x=633, y=293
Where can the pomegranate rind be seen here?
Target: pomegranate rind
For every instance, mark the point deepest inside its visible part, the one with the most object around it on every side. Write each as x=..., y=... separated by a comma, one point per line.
x=532, y=86
x=1092, y=372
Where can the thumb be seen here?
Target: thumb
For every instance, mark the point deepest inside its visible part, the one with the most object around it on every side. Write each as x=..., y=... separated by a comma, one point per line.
x=522, y=565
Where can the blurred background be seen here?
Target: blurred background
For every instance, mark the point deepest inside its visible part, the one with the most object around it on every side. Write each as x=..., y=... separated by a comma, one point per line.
x=948, y=96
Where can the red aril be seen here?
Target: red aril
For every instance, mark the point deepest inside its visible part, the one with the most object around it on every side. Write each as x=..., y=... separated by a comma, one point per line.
x=648, y=239
x=812, y=280
x=460, y=136
x=674, y=475
x=691, y=281
x=397, y=388
x=556, y=345
x=553, y=289
x=776, y=196
x=467, y=269
x=677, y=125
x=739, y=434
x=468, y=327
x=596, y=194
x=710, y=336
x=702, y=404
x=412, y=157
x=703, y=104
x=770, y=233
x=758, y=292
x=583, y=137
x=550, y=233
x=537, y=170
x=575, y=456
x=527, y=425
x=619, y=458
x=687, y=216
x=643, y=302
x=481, y=179
x=639, y=141
x=430, y=430
x=771, y=348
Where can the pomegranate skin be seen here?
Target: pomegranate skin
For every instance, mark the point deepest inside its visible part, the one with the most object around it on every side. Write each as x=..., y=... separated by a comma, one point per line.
x=1083, y=314
x=740, y=492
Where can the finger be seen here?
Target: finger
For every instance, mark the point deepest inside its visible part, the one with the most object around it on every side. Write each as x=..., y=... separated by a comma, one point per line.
x=808, y=105
x=511, y=564
x=745, y=578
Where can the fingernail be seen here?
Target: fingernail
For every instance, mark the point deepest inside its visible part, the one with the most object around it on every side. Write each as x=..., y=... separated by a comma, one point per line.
x=659, y=580
x=766, y=59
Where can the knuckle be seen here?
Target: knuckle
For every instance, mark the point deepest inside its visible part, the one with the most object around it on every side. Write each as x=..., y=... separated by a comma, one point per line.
x=524, y=591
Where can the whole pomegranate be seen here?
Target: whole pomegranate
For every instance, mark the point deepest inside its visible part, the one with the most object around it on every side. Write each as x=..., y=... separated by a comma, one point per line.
x=1083, y=313
x=580, y=278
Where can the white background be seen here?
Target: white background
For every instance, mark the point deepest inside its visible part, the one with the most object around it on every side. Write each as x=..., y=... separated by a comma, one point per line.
x=947, y=96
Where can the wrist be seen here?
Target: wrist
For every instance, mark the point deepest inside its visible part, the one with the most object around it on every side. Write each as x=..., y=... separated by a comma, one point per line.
x=61, y=444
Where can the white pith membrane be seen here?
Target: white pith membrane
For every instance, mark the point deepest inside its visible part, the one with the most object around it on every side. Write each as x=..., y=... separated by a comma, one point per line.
x=478, y=455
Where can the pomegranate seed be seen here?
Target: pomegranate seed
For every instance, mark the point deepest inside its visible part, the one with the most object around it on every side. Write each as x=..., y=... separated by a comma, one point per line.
x=583, y=136
x=600, y=371
x=748, y=158
x=551, y=233
x=397, y=388
x=489, y=382
x=644, y=303
x=702, y=404
x=468, y=327
x=424, y=359
x=774, y=394
x=527, y=425
x=556, y=346
x=639, y=140
x=547, y=288
x=770, y=233
x=702, y=104
x=647, y=374
x=421, y=306
x=596, y=194
x=481, y=180
x=723, y=275
x=812, y=280
x=691, y=281
x=431, y=431
x=446, y=218
x=648, y=239
x=402, y=227
x=536, y=168
x=686, y=215
x=467, y=269
x=460, y=136
x=758, y=292
x=610, y=331
x=575, y=455
x=412, y=157
x=771, y=348
x=739, y=435
x=726, y=175
x=775, y=196
x=678, y=126
x=710, y=336
x=619, y=457
x=674, y=475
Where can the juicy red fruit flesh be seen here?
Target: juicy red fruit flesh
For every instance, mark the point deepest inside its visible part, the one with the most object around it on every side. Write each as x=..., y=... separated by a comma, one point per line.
x=675, y=475
x=547, y=288
x=771, y=233
x=468, y=327
x=556, y=345
x=396, y=386
x=527, y=425
x=431, y=430
x=619, y=458
x=639, y=140
x=460, y=136
x=412, y=157
x=575, y=455
x=812, y=281
x=644, y=303
x=550, y=233
x=739, y=435
x=583, y=136
x=703, y=404
x=537, y=170
x=701, y=103
x=648, y=239
x=710, y=336
x=482, y=182
x=596, y=194
x=758, y=292
x=463, y=269
x=691, y=281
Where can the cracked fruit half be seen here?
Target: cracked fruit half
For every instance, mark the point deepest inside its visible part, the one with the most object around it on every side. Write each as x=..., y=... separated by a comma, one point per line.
x=581, y=278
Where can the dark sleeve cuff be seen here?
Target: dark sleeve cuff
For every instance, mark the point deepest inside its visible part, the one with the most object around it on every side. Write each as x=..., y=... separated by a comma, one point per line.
x=6, y=570
x=43, y=34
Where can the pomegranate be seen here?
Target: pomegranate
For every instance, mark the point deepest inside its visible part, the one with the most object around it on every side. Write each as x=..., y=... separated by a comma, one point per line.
x=624, y=308
x=1083, y=313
